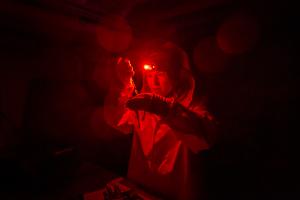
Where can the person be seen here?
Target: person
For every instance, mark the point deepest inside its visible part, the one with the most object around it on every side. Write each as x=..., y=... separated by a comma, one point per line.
x=167, y=125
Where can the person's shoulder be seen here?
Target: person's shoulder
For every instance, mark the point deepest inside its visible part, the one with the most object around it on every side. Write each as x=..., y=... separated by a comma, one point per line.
x=198, y=104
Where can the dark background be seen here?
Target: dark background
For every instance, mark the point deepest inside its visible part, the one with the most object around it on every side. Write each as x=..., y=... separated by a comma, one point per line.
x=54, y=73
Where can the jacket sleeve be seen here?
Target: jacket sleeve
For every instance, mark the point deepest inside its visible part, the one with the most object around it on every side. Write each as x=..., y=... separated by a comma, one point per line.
x=195, y=126
x=115, y=113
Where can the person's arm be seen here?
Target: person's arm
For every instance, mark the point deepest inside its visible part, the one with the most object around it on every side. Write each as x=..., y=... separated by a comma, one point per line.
x=196, y=121
x=120, y=90
x=115, y=112
x=195, y=127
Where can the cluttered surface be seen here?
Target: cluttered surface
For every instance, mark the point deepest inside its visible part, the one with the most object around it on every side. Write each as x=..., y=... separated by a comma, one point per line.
x=119, y=189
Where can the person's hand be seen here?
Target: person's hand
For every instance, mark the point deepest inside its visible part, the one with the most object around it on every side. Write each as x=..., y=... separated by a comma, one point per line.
x=151, y=103
x=124, y=70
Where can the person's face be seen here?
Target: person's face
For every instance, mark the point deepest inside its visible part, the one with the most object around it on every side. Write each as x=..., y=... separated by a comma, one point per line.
x=159, y=82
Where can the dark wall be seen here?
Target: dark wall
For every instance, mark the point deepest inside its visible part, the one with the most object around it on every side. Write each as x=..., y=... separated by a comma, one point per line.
x=53, y=81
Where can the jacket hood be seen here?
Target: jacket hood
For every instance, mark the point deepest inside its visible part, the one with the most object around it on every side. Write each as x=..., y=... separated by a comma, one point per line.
x=175, y=62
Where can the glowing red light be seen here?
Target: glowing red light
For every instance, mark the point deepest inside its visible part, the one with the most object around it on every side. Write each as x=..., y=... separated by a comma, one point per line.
x=148, y=67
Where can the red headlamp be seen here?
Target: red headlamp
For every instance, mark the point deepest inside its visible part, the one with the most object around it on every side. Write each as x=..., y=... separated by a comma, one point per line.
x=148, y=67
